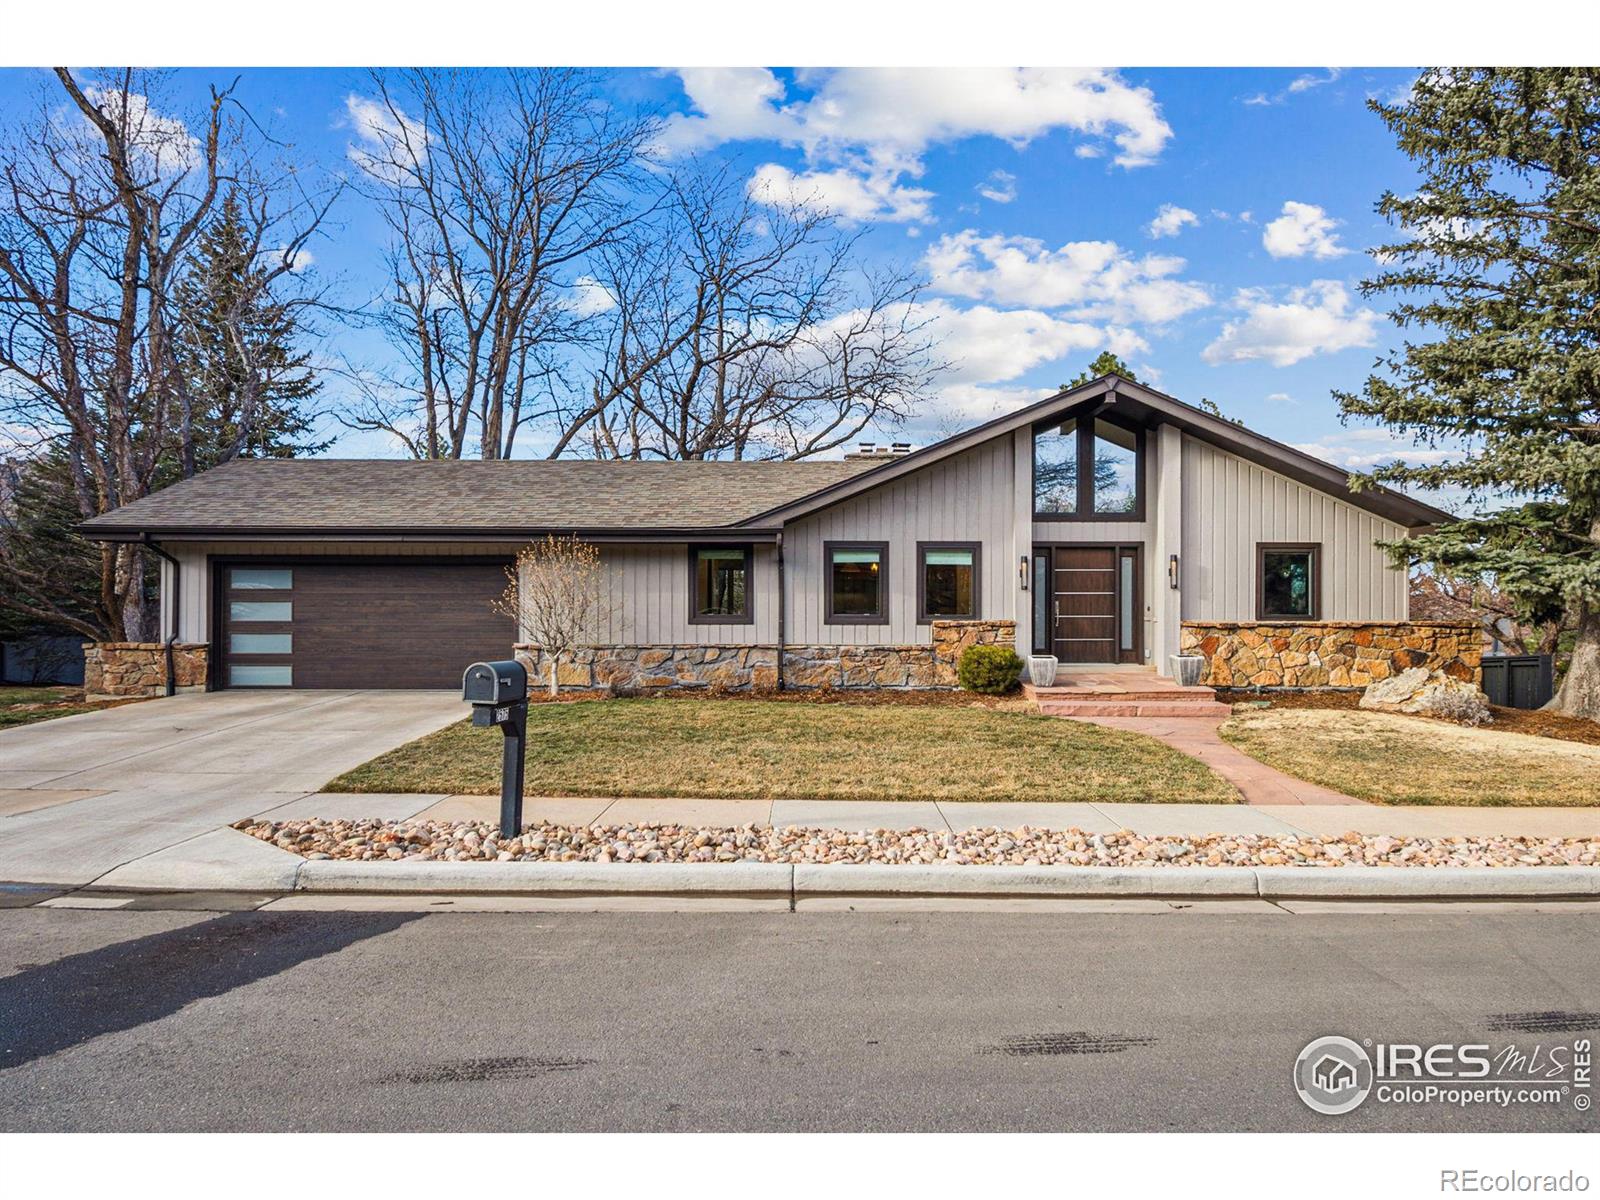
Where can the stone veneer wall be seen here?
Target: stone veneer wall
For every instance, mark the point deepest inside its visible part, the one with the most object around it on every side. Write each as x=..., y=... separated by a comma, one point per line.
x=755, y=668
x=118, y=670
x=1330, y=654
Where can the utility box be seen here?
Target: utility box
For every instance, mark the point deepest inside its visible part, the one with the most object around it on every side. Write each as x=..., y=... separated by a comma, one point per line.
x=495, y=683
x=1519, y=680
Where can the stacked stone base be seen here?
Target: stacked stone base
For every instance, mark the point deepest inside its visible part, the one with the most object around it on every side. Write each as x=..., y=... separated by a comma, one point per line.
x=138, y=670
x=633, y=670
x=1318, y=655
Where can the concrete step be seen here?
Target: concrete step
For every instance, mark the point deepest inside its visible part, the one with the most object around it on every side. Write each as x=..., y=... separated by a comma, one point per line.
x=1125, y=708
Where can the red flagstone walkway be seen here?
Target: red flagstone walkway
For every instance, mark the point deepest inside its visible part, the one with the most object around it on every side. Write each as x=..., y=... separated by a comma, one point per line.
x=1197, y=737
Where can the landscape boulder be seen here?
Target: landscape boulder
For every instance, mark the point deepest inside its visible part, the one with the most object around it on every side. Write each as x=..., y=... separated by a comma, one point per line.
x=1429, y=694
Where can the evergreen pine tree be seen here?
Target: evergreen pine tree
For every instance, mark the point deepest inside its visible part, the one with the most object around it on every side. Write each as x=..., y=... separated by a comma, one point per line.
x=1106, y=363
x=235, y=339
x=1497, y=274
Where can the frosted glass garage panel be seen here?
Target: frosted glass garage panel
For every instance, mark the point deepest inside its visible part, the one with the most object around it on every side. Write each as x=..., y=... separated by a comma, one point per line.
x=261, y=643
x=277, y=579
x=251, y=676
x=260, y=610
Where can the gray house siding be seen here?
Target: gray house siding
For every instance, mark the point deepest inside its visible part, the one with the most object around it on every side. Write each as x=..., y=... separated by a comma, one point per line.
x=1230, y=505
x=967, y=498
x=646, y=594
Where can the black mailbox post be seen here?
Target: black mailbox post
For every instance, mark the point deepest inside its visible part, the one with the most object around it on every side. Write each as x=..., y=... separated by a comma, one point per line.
x=498, y=693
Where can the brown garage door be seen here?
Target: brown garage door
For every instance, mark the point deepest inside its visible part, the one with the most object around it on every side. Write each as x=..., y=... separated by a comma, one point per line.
x=358, y=624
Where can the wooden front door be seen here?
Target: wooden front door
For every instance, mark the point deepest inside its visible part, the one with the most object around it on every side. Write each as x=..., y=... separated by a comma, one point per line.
x=1095, y=603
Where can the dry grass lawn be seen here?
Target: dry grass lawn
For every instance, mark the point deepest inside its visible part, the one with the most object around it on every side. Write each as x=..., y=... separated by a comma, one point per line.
x=27, y=705
x=1393, y=759
x=751, y=749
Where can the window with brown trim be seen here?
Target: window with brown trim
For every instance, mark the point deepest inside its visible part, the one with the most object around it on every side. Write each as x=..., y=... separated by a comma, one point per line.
x=720, y=585
x=858, y=583
x=1288, y=581
x=947, y=581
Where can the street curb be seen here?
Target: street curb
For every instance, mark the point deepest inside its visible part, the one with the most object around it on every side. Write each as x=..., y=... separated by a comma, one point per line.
x=884, y=879
x=1432, y=883
x=691, y=879
x=873, y=879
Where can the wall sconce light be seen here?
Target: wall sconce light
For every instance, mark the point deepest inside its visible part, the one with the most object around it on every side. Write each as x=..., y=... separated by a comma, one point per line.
x=1022, y=572
x=1172, y=571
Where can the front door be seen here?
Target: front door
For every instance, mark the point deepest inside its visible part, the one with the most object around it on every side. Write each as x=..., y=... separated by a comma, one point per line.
x=1094, y=602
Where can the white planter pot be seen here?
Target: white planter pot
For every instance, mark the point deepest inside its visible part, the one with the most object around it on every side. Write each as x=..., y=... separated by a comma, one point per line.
x=1042, y=669
x=1187, y=669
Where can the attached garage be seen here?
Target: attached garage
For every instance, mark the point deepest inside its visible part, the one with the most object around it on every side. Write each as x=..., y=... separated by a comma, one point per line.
x=356, y=623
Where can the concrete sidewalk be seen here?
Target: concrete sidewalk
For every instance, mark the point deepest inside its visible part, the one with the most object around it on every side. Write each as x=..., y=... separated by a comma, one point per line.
x=1153, y=819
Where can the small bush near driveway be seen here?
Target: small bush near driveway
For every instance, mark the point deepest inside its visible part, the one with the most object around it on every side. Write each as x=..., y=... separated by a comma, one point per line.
x=750, y=749
x=1393, y=759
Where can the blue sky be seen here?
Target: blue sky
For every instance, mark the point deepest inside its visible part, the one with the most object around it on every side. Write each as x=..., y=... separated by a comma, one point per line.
x=1032, y=202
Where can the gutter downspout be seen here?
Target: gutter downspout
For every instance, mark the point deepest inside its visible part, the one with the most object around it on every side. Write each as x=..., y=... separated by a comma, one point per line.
x=782, y=609
x=172, y=634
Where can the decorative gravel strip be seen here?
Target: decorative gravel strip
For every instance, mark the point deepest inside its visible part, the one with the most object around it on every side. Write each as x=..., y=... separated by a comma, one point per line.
x=478, y=841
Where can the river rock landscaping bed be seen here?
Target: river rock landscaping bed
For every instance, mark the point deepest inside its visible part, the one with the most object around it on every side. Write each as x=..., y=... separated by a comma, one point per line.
x=470, y=841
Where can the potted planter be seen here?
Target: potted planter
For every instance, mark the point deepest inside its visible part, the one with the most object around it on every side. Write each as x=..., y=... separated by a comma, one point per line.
x=1187, y=669
x=1042, y=669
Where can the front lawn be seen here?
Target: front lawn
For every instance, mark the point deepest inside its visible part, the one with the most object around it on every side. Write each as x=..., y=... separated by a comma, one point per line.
x=753, y=749
x=25, y=705
x=1393, y=759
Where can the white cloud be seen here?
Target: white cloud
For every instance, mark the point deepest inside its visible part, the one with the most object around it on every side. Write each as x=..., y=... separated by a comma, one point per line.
x=1318, y=319
x=1097, y=280
x=876, y=123
x=163, y=143
x=1088, y=150
x=897, y=113
x=1297, y=85
x=296, y=261
x=1281, y=398
x=1169, y=221
x=843, y=193
x=382, y=134
x=1000, y=186
x=589, y=297
x=1302, y=229
x=1363, y=449
x=992, y=345
x=1305, y=83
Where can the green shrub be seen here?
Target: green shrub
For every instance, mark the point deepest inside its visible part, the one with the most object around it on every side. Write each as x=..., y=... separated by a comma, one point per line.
x=989, y=669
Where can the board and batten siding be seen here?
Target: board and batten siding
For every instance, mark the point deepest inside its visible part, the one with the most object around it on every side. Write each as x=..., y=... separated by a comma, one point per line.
x=1230, y=505
x=968, y=498
x=646, y=599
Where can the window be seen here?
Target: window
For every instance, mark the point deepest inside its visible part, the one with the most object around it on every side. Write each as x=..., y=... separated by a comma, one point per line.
x=277, y=579
x=1055, y=470
x=719, y=585
x=857, y=583
x=947, y=581
x=261, y=643
x=260, y=610
x=1116, y=468
x=1288, y=581
x=1089, y=469
x=243, y=676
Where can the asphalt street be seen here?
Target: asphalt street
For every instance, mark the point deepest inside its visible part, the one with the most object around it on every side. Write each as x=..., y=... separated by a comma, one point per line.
x=887, y=1020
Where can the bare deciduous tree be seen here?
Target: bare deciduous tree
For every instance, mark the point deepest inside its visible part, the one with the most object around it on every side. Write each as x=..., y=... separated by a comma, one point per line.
x=741, y=327
x=555, y=595
x=498, y=189
x=103, y=199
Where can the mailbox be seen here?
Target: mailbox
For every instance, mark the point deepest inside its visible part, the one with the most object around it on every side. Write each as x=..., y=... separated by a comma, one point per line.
x=495, y=683
x=498, y=693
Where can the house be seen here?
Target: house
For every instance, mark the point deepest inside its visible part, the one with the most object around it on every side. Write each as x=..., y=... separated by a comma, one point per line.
x=1333, y=1075
x=1109, y=524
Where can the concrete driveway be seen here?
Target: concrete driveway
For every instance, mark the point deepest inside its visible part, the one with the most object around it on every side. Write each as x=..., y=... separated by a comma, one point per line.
x=82, y=796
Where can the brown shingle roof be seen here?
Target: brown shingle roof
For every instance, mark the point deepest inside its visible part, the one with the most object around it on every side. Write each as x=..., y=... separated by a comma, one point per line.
x=331, y=495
